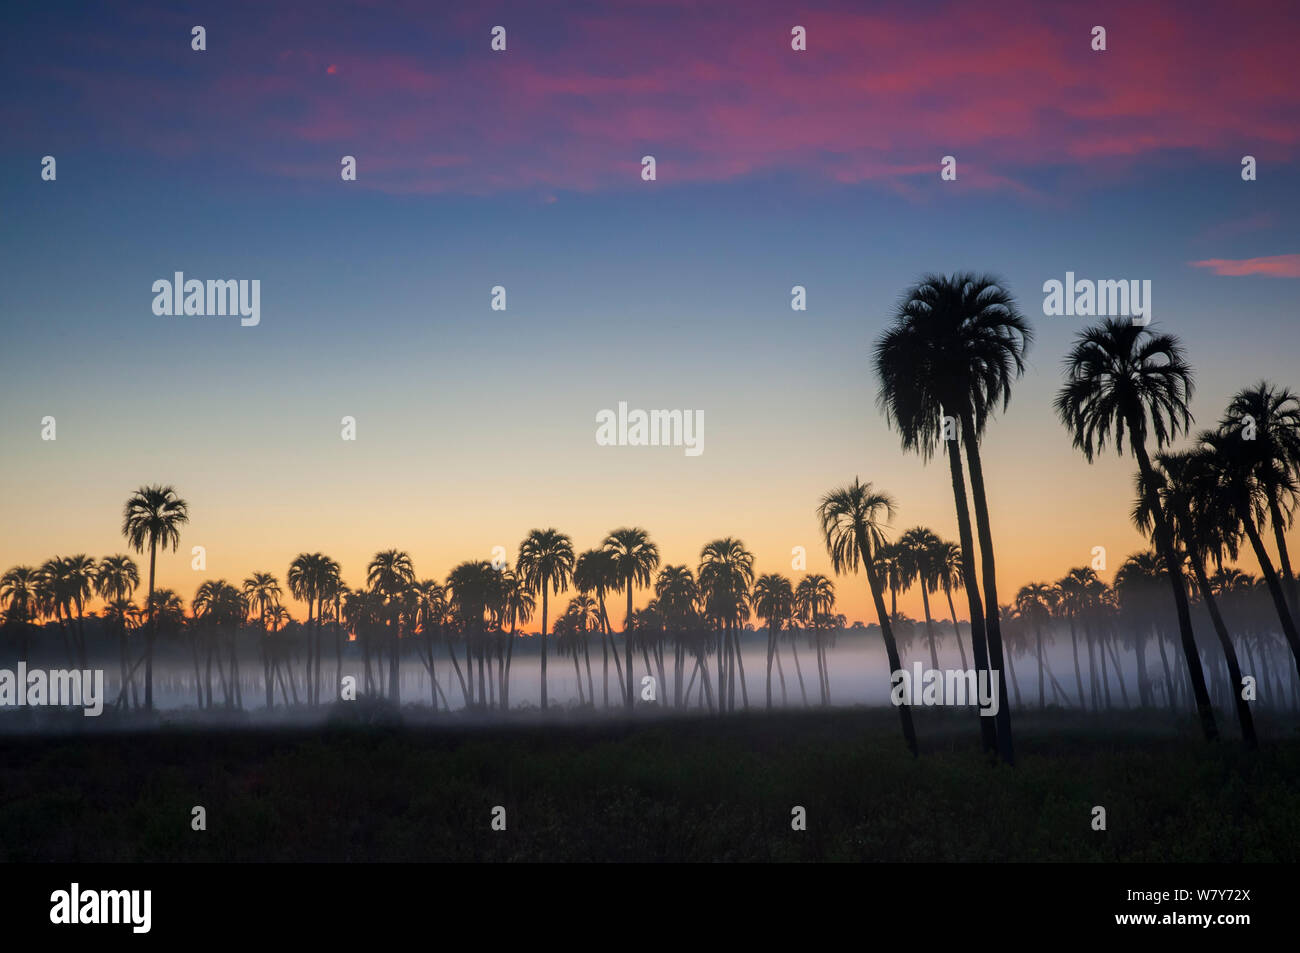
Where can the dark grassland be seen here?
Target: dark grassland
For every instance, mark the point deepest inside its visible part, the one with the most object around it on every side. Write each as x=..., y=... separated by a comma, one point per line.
x=694, y=789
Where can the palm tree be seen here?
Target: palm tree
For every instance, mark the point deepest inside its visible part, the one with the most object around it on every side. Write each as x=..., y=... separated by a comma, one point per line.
x=473, y=586
x=1122, y=378
x=1185, y=485
x=595, y=571
x=950, y=571
x=774, y=602
x=920, y=553
x=153, y=517
x=634, y=558
x=1034, y=604
x=546, y=563
x=262, y=595
x=20, y=597
x=814, y=598
x=853, y=519
x=957, y=344
x=307, y=578
x=1269, y=421
x=1233, y=472
x=389, y=573
x=678, y=597
x=725, y=575
x=518, y=605
x=116, y=579
x=220, y=606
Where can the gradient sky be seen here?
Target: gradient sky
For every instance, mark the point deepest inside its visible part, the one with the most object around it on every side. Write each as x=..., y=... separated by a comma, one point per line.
x=522, y=169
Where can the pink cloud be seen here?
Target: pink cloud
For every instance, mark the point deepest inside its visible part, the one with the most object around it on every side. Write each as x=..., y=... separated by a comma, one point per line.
x=1006, y=87
x=1274, y=266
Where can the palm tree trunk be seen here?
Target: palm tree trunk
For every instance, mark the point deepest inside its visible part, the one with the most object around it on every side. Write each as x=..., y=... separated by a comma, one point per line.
x=771, y=641
x=740, y=664
x=586, y=655
x=627, y=641
x=153, y=628
x=794, y=647
x=992, y=611
x=1164, y=544
x=1245, y=721
x=929, y=627
x=545, y=609
x=1284, y=559
x=891, y=648
x=1038, y=640
x=780, y=672
x=1274, y=587
x=1078, y=672
x=956, y=629
x=979, y=648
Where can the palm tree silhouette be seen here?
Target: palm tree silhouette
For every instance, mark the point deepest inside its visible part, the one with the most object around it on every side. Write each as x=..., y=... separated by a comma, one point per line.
x=920, y=553
x=678, y=596
x=153, y=517
x=1034, y=604
x=950, y=578
x=20, y=596
x=389, y=573
x=1122, y=378
x=774, y=602
x=518, y=604
x=814, y=598
x=262, y=595
x=595, y=571
x=725, y=574
x=853, y=519
x=1185, y=487
x=957, y=344
x=1271, y=418
x=1232, y=469
x=634, y=557
x=116, y=579
x=546, y=564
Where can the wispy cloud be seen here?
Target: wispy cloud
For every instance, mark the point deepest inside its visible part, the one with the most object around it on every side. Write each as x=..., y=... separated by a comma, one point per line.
x=1274, y=266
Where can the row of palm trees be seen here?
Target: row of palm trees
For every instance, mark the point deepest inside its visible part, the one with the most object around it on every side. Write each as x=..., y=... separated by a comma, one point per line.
x=945, y=365
x=1123, y=618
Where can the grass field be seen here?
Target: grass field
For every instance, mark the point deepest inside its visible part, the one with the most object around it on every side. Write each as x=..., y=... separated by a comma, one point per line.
x=673, y=789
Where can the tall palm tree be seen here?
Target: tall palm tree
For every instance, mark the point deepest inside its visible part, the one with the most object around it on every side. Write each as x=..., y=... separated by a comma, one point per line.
x=595, y=571
x=1185, y=486
x=1269, y=420
x=725, y=574
x=774, y=602
x=519, y=605
x=1232, y=471
x=20, y=598
x=262, y=595
x=1034, y=604
x=546, y=564
x=389, y=573
x=634, y=559
x=472, y=587
x=814, y=598
x=678, y=597
x=153, y=517
x=307, y=577
x=221, y=607
x=957, y=344
x=116, y=579
x=854, y=518
x=920, y=553
x=1125, y=379
x=949, y=563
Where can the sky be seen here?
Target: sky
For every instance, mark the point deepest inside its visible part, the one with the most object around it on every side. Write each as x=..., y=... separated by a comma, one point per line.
x=522, y=168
